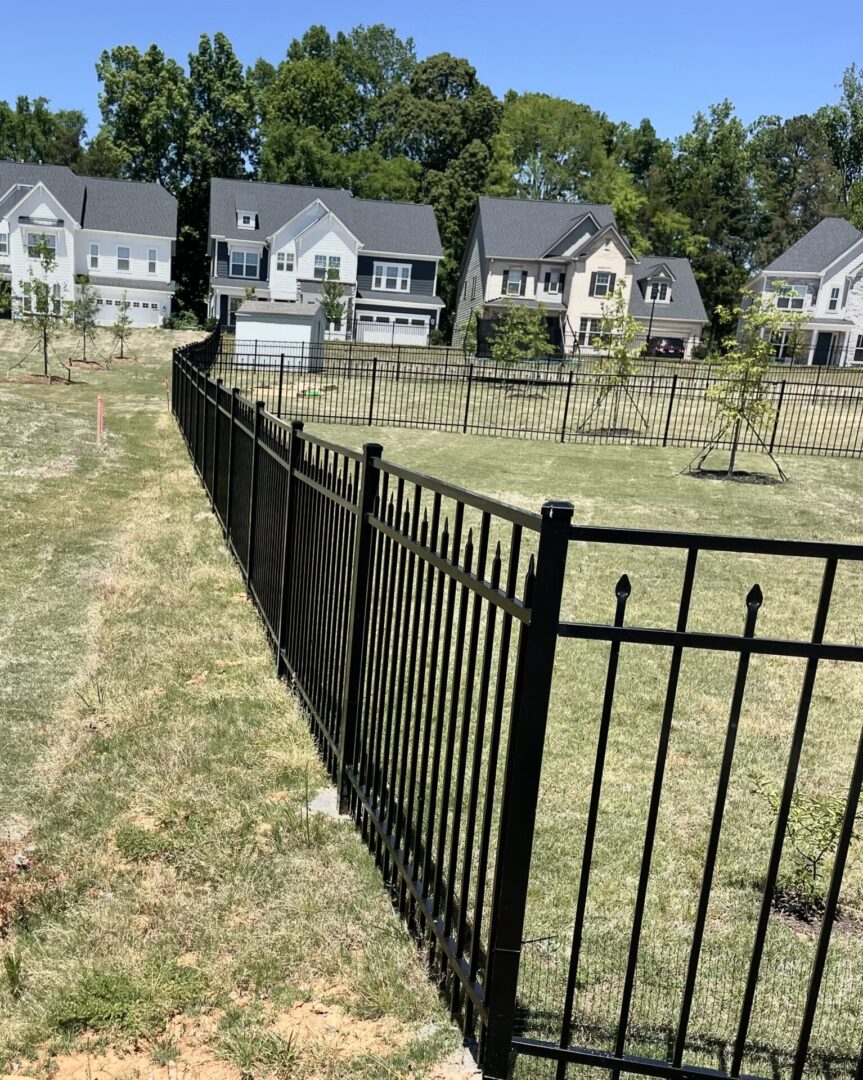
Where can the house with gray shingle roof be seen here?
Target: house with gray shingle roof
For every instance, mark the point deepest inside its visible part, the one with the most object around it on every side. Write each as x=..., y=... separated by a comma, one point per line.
x=285, y=240
x=822, y=277
x=120, y=234
x=570, y=257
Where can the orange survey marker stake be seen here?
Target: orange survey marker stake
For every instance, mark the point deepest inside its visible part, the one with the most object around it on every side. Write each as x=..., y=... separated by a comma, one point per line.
x=100, y=419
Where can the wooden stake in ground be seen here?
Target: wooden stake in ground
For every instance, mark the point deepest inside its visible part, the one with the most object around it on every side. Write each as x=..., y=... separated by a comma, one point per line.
x=100, y=419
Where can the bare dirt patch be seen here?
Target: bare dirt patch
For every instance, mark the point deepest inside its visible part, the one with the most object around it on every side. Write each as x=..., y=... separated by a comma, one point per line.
x=40, y=380
x=328, y=1027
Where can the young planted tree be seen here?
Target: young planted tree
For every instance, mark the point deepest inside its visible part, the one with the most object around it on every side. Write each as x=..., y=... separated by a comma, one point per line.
x=84, y=308
x=41, y=304
x=619, y=332
x=122, y=326
x=520, y=333
x=333, y=300
x=743, y=366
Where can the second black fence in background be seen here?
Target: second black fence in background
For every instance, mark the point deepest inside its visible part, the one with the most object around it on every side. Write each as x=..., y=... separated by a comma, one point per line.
x=663, y=404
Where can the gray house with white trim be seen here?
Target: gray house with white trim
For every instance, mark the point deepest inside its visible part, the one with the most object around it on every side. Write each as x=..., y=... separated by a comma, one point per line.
x=822, y=277
x=570, y=258
x=284, y=240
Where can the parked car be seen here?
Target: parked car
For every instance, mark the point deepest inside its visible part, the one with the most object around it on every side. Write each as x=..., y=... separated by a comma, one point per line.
x=671, y=347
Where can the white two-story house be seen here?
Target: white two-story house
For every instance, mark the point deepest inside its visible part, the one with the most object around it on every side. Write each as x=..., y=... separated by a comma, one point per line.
x=822, y=277
x=570, y=258
x=284, y=241
x=119, y=234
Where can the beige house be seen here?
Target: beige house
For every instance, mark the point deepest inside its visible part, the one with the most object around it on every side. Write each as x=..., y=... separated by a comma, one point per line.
x=570, y=258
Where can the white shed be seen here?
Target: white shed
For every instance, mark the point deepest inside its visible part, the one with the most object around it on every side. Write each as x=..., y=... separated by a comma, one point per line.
x=274, y=329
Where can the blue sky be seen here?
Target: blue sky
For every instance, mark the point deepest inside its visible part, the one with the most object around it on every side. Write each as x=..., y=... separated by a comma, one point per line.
x=665, y=60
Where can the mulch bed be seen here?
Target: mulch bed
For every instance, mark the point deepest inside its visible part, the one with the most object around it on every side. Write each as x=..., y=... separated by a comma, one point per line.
x=737, y=477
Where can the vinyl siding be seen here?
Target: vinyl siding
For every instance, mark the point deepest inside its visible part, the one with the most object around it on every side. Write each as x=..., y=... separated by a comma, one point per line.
x=464, y=304
x=139, y=248
x=422, y=274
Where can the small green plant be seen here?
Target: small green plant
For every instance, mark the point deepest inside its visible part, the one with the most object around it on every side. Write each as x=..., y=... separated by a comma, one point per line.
x=13, y=969
x=84, y=311
x=122, y=326
x=41, y=304
x=165, y=1051
x=333, y=300
x=814, y=824
x=744, y=364
x=520, y=333
x=619, y=332
x=245, y=1041
x=141, y=845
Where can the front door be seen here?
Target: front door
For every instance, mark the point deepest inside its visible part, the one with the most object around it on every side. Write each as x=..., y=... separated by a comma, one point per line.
x=823, y=346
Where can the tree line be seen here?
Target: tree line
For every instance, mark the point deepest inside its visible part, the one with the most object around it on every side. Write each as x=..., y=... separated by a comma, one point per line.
x=360, y=110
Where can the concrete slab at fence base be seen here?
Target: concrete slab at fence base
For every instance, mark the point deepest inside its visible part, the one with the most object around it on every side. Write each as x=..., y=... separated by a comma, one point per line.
x=326, y=802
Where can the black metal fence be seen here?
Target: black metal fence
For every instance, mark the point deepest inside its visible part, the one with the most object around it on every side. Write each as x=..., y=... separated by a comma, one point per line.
x=420, y=624
x=814, y=410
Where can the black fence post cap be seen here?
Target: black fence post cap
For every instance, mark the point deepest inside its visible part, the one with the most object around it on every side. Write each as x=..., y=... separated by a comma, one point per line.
x=372, y=449
x=559, y=509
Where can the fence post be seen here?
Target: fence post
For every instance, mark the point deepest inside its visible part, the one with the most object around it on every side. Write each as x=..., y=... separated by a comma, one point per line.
x=566, y=408
x=204, y=432
x=350, y=705
x=281, y=380
x=520, y=790
x=670, y=407
x=467, y=399
x=253, y=490
x=233, y=423
x=294, y=450
x=372, y=398
x=776, y=420
x=215, y=480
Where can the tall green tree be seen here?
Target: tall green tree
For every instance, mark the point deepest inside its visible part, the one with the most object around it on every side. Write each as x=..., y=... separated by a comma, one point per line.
x=145, y=109
x=554, y=147
x=796, y=183
x=31, y=131
x=843, y=129
x=221, y=142
x=710, y=184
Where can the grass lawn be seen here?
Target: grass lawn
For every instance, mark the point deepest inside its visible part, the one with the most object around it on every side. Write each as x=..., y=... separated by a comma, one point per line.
x=168, y=906
x=643, y=487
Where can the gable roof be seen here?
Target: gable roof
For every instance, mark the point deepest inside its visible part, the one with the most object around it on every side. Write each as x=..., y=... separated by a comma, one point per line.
x=528, y=228
x=821, y=246
x=399, y=228
x=128, y=206
x=685, y=303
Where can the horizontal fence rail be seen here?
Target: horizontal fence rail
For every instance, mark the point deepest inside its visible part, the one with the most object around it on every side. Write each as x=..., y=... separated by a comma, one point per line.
x=425, y=629
x=664, y=403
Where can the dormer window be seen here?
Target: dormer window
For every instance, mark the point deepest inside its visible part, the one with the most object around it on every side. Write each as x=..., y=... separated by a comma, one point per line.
x=659, y=292
x=791, y=297
x=245, y=219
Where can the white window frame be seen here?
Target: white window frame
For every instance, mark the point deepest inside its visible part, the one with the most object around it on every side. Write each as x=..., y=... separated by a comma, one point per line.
x=791, y=297
x=56, y=298
x=285, y=262
x=605, y=285
x=320, y=270
x=334, y=267
x=245, y=254
x=245, y=220
x=553, y=286
x=858, y=350
x=127, y=259
x=398, y=273
x=4, y=243
x=513, y=280
x=93, y=256
x=590, y=331
x=783, y=342
x=660, y=291
x=152, y=260
x=33, y=239
x=833, y=302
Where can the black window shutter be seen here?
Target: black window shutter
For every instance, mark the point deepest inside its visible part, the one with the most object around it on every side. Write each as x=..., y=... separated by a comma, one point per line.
x=523, y=287
x=547, y=279
x=562, y=280
x=593, y=284
x=505, y=282
x=612, y=278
